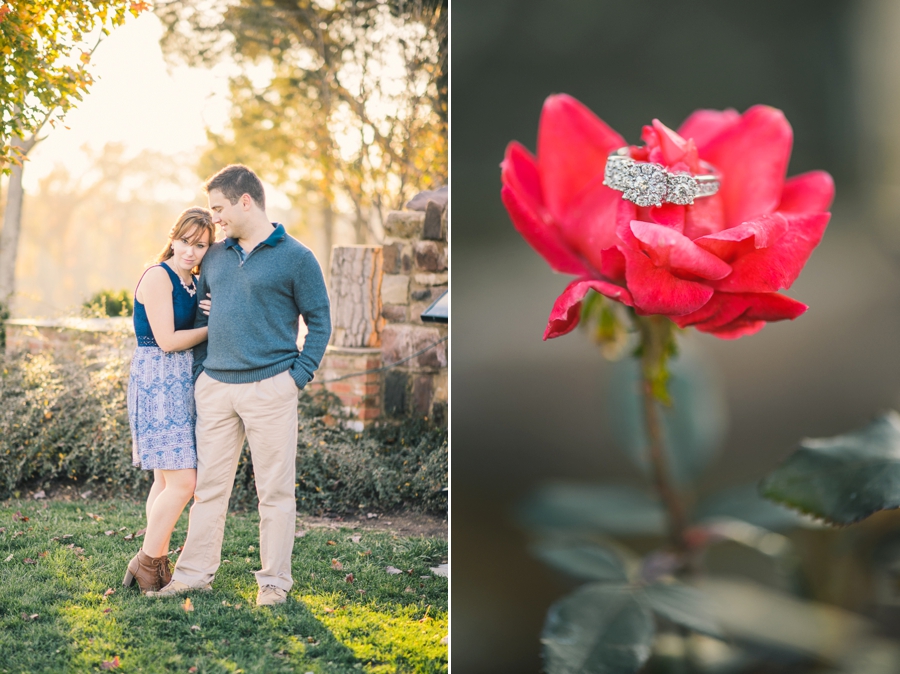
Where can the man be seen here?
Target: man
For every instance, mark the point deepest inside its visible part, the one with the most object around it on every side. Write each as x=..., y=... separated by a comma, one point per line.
x=247, y=377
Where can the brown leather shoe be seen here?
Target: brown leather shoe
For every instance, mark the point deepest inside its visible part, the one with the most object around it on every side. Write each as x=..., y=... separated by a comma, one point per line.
x=151, y=573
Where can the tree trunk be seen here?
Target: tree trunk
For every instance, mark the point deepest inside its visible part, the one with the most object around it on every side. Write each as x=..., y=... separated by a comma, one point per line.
x=356, y=296
x=12, y=224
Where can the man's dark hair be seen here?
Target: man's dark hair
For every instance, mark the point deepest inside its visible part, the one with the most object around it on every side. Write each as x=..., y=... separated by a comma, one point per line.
x=234, y=181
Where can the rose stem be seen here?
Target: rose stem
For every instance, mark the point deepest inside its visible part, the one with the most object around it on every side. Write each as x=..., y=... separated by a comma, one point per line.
x=656, y=331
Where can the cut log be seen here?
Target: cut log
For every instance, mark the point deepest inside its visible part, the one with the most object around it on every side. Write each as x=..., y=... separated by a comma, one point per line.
x=356, y=273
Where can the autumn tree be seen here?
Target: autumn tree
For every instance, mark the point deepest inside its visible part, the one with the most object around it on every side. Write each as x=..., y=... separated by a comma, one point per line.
x=46, y=48
x=354, y=114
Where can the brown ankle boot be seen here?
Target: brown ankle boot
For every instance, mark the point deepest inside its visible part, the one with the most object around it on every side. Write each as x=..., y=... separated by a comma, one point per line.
x=151, y=573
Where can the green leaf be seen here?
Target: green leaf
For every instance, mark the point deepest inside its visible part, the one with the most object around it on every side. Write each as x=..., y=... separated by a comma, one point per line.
x=694, y=424
x=582, y=560
x=684, y=606
x=843, y=479
x=598, y=629
x=611, y=509
x=745, y=503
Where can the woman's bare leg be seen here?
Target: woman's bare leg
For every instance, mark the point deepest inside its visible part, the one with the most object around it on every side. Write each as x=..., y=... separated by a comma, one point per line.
x=159, y=483
x=167, y=508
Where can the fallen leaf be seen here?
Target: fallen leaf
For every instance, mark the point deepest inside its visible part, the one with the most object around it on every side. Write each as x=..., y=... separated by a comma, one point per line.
x=355, y=539
x=192, y=670
x=96, y=518
x=66, y=536
x=123, y=528
x=366, y=553
x=2, y=530
x=300, y=534
x=108, y=592
x=19, y=517
x=128, y=537
x=110, y=664
x=19, y=533
x=42, y=554
x=336, y=565
x=250, y=548
x=330, y=543
x=86, y=494
x=8, y=558
x=226, y=561
x=226, y=604
x=140, y=533
x=361, y=591
x=107, y=610
x=237, y=606
x=409, y=589
x=371, y=516
x=393, y=570
x=188, y=605
x=310, y=640
x=39, y=495
x=33, y=616
x=348, y=578
x=446, y=640
x=110, y=532
x=327, y=609
x=195, y=628
x=29, y=560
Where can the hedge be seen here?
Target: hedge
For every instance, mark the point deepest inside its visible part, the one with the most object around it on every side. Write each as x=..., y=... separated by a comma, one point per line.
x=66, y=421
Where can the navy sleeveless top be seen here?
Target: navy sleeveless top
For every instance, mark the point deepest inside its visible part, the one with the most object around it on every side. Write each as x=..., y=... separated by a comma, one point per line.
x=184, y=306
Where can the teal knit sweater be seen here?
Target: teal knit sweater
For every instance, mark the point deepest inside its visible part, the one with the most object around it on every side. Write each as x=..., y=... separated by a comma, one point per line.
x=256, y=304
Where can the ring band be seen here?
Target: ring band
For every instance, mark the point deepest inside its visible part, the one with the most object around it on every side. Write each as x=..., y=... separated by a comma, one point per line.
x=651, y=184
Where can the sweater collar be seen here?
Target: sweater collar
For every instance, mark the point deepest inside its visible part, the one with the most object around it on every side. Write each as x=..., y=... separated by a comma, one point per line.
x=276, y=237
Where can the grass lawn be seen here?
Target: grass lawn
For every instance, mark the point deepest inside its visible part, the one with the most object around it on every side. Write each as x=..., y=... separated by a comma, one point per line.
x=63, y=607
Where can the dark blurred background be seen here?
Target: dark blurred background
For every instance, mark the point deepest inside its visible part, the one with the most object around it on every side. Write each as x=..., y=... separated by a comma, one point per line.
x=526, y=411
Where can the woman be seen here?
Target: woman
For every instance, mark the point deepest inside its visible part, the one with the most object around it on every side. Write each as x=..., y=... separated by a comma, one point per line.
x=161, y=390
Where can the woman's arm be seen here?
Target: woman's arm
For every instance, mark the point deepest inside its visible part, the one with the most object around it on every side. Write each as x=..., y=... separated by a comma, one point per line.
x=155, y=293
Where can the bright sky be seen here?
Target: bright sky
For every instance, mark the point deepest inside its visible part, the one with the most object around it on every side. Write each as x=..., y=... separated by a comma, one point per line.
x=138, y=100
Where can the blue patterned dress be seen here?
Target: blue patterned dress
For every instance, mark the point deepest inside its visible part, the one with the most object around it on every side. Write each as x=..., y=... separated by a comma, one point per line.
x=161, y=390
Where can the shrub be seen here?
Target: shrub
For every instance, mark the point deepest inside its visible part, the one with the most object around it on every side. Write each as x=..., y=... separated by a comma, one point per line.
x=107, y=303
x=67, y=421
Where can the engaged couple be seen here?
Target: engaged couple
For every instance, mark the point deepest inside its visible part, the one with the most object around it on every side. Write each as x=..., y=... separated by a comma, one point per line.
x=217, y=360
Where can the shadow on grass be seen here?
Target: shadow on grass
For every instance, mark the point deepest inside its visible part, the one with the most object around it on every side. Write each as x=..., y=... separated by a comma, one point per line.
x=66, y=566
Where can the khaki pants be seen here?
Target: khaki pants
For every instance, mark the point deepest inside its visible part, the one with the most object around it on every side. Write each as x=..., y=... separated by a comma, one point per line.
x=266, y=411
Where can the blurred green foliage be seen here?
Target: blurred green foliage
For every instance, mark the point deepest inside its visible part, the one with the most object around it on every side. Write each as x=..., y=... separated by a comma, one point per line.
x=108, y=303
x=66, y=421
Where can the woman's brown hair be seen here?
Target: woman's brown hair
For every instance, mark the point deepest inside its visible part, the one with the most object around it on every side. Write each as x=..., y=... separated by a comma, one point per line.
x=194, y=218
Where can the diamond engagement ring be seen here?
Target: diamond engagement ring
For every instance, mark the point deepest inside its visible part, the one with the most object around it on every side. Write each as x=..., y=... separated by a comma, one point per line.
x=649, y=184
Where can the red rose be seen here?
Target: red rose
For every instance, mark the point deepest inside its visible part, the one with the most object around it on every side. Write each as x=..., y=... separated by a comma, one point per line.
x=716, y=265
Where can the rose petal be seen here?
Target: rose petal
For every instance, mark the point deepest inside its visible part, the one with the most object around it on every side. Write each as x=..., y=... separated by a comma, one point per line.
x=676, y=149
x=566, y=310
x=807, y=192
x=704, y=216
x=670, y=215
x=612, y=264
x=573, y=145
x=677, y=253
x=733, y=315
x=589, y=226
x=655, y=290
x=766, y=254
x=519, y=172
x=541, y=235
x=752, y=156
x=704, y=125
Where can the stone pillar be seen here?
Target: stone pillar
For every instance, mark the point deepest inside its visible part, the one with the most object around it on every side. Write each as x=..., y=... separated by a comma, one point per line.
x=415, y=275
